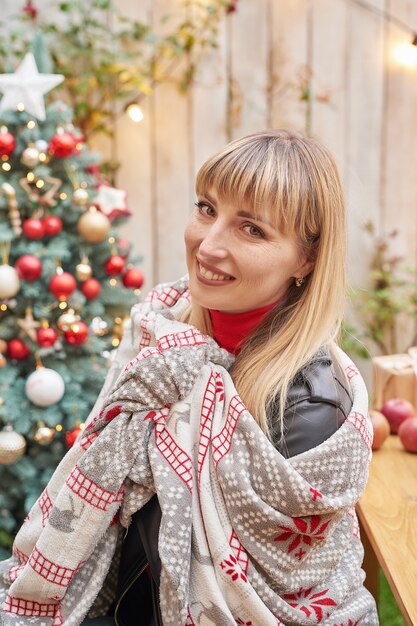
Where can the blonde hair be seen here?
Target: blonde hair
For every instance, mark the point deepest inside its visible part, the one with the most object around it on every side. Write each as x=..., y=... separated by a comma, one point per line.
x=295, y=178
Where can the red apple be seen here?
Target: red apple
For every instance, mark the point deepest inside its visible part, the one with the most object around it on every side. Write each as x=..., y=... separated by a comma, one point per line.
x=381, y=428
x=407, y=432
x=397, y=410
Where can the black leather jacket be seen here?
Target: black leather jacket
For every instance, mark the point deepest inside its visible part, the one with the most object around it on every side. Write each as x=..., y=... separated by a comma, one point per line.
x=317, y=404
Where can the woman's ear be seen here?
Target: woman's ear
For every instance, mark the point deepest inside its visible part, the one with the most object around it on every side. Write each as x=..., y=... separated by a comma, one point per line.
x=305, y=269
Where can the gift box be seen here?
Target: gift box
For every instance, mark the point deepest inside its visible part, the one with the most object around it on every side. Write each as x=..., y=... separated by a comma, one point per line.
x=395, y=376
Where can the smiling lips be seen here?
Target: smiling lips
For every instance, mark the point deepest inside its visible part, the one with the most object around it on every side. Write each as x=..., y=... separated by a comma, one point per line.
x=212, y=275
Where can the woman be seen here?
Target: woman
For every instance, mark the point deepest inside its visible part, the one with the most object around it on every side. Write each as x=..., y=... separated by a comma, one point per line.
x=236, y=438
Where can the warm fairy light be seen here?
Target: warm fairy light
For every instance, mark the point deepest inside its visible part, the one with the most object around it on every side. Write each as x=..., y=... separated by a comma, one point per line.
x=406, y=55
x=6, y=167
x=79, y=146
x=3, y=307
x=42, y=157
x=31, y=124
x=111, y=240
x=75, y=328
x=4, y=157
x=82, y=426
x=20, y=107
x=3, y=129
x=63, y=196
x=115, y=342
x=58, y=427
x=136, y=292
x=118, y=320
x=62, y=305
x=113, y=282
x=30, y=177
x=40, y=183
x=135, y=112
x=83, y=185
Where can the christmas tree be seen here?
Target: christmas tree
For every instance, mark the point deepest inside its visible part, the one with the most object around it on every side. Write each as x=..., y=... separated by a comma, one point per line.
x=66, y=286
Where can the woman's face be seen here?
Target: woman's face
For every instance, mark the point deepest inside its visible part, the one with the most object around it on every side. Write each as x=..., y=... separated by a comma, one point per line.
x=237, y=263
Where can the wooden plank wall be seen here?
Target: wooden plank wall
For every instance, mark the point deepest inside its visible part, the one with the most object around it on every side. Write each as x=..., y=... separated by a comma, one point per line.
x=361, y=103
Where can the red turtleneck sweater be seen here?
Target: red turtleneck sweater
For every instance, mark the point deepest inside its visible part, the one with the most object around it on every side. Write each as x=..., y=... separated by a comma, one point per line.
x=231, y=329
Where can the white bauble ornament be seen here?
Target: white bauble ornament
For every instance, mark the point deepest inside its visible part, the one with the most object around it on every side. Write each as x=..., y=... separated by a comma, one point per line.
x=41, y=145
x=30, y=157
x=9, y=282
x=12, y=445
x=45, y=387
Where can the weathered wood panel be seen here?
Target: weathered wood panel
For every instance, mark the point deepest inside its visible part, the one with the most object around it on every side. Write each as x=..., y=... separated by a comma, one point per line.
x=289, y=64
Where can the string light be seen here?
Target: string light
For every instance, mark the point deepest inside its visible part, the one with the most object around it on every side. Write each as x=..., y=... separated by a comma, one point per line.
x=31, y=124
x=134, y=112
x=20, y=107
x=40, y=183
x=63, y=196
x=6, y=166
x=30, y=177
x=58, y=427
x=406, y=55
x=3, y=307
x=42, y=157
x=113, y=282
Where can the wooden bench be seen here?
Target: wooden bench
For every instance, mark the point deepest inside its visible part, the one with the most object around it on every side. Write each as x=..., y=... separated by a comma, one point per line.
x=388, y=516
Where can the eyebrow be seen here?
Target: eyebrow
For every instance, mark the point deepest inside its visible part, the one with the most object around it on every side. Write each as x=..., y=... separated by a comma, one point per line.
x=246, y=214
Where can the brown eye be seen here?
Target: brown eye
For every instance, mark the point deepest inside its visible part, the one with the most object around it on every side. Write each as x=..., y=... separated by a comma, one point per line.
x=254, y=231
x=205, y=209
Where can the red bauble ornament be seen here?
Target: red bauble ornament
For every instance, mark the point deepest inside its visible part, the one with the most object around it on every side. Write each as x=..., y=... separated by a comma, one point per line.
x=28, y=267
x=133, y=278
x=114, y=265
x=62, y=145
x=46, y=337
x=72, y=435
x=18, y=349
x=77, y=334
x=33, y=228
x=7, y=143
x=91, y=288
x=62, y=285
x=52, y=225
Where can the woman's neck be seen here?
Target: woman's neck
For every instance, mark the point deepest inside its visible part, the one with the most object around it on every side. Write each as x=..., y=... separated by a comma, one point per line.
x=230, y=330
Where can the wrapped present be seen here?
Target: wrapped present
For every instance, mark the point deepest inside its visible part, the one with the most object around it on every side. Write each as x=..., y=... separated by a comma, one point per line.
x=395, y=376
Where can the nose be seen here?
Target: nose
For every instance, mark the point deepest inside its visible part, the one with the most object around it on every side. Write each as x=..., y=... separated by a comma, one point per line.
x=214, y=242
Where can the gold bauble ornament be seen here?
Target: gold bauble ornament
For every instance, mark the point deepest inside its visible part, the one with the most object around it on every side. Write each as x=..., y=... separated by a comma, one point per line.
x=83, y=270
x=44, y=435
x=12, y=445
x=67, y=319
x=93, y=226
x=80, y=197
x=3, y=346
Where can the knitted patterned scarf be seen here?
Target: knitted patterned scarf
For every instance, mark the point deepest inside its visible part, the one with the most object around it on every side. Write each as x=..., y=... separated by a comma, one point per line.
x=247, y=537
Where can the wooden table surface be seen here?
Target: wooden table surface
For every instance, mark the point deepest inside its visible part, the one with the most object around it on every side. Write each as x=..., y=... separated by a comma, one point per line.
x=388, y=514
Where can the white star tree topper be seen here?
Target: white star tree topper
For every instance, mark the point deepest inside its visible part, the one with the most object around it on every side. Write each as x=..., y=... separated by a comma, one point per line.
x=27, y=86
